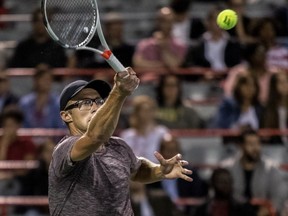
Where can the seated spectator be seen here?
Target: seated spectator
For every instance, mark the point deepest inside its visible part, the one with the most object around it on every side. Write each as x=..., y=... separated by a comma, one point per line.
x=243, y=30
x=222, y=202
x=177, y=188
x=266, y=32
x=114, y=34
x=254, y=175
x=38, y=48
x=161, y=50
x=172, y=112
x=256, y=65
x=215, y=49
x=35, y=182
x=7, y=98
x=276, y=110
x=243, y=109
x=13, y=147
x=145, y=133
x=144, y=137
x=185, y=27
x=41, y=107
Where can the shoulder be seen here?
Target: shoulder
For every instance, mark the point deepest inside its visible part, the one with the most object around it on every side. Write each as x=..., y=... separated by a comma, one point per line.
x=228, y=102
x=188, y=109
x=161, y=129
x=115, y=140
x=229, y=162
x=178, y=43
x=26, y=142
x=270, y=164
x=65, y=143
x=25, y=43
x=28, y=98
x=127, y=133
x=120, y=144
x=146, y=42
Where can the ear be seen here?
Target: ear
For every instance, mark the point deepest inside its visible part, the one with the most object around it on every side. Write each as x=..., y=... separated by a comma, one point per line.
x=66, y=116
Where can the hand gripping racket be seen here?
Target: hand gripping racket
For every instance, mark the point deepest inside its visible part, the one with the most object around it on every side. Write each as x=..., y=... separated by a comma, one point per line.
x=73, y=23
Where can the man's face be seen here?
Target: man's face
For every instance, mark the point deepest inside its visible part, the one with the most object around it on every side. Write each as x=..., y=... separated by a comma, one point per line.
x=252, y=148
x=79, y=119
x=10, y=127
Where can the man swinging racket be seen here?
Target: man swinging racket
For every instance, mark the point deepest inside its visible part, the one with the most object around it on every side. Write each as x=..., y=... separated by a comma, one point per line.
x=90, y=169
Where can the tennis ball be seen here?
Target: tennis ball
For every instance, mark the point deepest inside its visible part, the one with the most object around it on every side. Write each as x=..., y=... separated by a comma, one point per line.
x=227, y=19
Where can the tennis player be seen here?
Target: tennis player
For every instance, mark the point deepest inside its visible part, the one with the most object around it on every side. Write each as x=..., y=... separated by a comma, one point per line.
x=90, y=169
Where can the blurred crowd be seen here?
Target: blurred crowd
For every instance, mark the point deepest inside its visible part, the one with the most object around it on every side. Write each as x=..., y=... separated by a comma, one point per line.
x=248, y=74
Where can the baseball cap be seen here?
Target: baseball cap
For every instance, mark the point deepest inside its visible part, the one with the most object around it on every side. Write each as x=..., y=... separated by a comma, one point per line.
x=72, y=89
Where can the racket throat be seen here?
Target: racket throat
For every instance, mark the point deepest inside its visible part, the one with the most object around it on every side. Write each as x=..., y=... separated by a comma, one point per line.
x=106, y=54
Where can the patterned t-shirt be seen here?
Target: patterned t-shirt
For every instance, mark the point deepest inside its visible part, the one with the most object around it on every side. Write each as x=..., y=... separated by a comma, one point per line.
x=97, y=185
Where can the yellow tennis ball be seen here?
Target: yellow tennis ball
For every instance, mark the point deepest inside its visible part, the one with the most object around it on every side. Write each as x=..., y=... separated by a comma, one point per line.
x=227, y=19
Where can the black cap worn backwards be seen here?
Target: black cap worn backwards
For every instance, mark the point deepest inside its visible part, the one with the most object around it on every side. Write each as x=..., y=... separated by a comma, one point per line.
x=102, y=87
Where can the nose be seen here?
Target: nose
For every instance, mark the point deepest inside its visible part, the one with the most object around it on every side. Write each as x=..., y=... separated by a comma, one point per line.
x=94, y=107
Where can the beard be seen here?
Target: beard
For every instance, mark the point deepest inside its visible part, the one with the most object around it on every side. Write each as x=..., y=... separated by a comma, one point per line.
x=252, y=158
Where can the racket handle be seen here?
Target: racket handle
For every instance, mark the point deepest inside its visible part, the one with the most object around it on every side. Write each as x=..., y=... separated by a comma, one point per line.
x=113, y=61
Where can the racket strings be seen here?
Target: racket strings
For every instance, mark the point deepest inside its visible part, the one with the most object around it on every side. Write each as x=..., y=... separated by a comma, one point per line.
x=72, y=21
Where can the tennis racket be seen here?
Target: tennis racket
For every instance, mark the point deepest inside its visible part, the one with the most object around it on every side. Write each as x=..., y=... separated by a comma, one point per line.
x=73, y=23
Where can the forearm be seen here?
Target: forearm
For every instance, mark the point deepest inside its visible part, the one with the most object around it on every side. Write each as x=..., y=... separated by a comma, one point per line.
x=148, y=172
x=104, y=122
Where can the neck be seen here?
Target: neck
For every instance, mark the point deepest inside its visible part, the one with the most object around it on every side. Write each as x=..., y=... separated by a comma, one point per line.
x=248, y=164
x=258, y=70
x=143, y=129
x=283, y=101
x=75, y=131
x=246, y=104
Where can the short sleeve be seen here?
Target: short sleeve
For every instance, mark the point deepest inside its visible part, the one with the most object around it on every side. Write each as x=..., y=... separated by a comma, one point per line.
x=61, y=162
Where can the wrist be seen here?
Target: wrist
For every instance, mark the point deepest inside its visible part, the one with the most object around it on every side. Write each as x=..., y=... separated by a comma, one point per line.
x=158, y=173
x=117, y=92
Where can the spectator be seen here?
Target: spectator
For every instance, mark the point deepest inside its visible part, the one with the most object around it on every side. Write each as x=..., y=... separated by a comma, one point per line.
x=7, y=98
x=13, y=147
x=176, y=189
x=35, y=182
x=114, y=35
x=161, y=50
x=143, y=136
x=243, y=30
x=222, y=202
x=256, y=65
x=185, y=27
x=243, y=109
x=145, y=133
x=215, y=49
x=38, y=48
x=276, y=110
x=41, y=107
x=266, y=31
x=254, y=175
x=171, y=110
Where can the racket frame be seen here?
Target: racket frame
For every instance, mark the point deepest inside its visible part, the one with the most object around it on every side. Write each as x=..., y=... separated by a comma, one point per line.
x=96, y=27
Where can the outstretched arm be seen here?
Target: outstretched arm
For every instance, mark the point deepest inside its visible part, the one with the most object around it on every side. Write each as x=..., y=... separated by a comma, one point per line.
x=105, y=119
x=150, y=172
